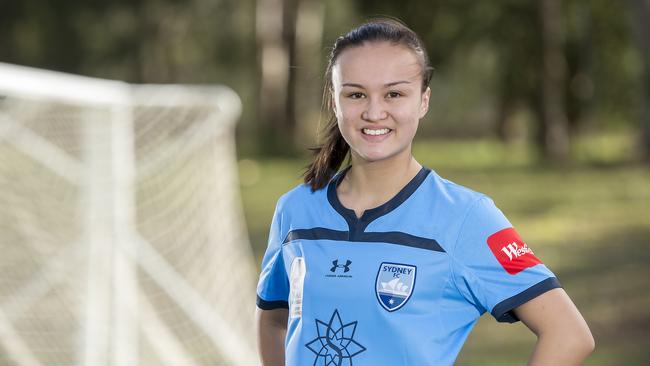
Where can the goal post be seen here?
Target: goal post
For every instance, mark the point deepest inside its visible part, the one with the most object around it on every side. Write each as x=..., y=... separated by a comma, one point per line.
x=123, y=229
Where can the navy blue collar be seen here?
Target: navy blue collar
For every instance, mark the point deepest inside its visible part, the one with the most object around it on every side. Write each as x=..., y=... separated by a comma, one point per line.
x=358, y=225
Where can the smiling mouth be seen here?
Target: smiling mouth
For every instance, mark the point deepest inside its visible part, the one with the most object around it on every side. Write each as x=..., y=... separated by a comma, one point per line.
x=378, y=132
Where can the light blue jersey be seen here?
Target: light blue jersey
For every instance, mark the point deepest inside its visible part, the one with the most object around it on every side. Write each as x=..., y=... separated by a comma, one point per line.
x=402, y=285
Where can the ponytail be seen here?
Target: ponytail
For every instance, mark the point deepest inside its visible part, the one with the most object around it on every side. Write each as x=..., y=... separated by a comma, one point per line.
x=328, y=157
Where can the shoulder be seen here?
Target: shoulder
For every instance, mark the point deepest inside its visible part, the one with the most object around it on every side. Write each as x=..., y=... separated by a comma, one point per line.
x=471, y=210
x=299, y=196
x=470, y=216
x=301, y=208
x=453, y=195
x=449, y=207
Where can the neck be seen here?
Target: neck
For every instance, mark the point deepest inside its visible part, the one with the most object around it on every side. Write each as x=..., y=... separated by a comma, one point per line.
x=378, y=179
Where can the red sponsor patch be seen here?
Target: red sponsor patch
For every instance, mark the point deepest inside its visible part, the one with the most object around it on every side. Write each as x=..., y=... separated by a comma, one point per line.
x=511, y=251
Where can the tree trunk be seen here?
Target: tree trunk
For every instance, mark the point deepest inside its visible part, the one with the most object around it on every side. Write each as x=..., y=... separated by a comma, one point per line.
x=276, y=22
x=310, y=24
x=640, y=11
x=506, y=102
x=553, y=132
x=580, y=69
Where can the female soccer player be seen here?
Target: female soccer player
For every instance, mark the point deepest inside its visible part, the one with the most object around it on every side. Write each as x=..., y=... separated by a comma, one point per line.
x=385, y=262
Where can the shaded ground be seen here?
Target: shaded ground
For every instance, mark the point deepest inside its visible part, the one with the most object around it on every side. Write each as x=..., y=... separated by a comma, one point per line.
x=590, y=223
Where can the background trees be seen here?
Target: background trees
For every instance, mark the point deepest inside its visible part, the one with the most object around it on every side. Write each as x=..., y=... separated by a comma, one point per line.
x=539, y=72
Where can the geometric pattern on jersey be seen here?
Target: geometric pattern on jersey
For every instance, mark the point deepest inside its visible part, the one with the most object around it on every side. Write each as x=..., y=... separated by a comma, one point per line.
x=326, y=265
x=335, y=344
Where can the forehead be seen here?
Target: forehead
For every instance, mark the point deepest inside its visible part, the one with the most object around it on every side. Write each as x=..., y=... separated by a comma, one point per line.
x=376, y=63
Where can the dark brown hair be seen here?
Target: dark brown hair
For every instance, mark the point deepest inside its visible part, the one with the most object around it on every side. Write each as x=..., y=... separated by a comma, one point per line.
x=329, y=156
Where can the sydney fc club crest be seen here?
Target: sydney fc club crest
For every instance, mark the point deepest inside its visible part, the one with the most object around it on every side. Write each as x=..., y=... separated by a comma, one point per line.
x=394, y=284
x=335, y=344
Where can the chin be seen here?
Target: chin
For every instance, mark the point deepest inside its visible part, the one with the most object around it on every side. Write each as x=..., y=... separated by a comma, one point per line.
x=375, y=156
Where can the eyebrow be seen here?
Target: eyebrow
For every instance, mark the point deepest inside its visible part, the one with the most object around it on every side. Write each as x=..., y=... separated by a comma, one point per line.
x=385, y=85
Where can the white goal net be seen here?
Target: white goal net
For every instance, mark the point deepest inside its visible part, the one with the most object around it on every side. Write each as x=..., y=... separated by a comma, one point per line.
x=122, y=239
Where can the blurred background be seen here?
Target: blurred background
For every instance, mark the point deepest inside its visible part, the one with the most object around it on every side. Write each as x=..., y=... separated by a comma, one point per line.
x=542, y=105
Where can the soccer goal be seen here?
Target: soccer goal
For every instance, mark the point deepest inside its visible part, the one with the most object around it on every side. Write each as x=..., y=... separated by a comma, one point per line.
x=121, y=228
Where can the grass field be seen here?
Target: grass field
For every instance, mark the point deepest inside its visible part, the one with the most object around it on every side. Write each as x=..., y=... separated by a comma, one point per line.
x=588, y=221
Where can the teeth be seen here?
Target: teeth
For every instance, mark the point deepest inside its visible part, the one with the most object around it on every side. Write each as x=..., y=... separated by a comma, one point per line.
x=383, y=131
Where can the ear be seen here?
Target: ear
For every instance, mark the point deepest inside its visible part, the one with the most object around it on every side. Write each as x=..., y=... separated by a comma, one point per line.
x=424, y=103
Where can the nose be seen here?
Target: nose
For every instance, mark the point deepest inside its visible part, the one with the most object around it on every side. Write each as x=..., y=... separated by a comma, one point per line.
x=375, y=110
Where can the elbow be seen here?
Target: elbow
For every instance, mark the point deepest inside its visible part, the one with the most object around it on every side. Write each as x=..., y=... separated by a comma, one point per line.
x=584, y=341
x=581, y=343
x=574, y=345
x=588, y=344
x=585, y=346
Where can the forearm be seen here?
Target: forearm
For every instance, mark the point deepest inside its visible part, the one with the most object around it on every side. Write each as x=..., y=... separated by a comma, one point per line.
x=561, y=350
x=271, y=332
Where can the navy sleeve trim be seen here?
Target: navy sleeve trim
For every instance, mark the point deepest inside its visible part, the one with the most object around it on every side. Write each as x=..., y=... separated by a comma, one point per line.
x=271, y=305
x=503, y=310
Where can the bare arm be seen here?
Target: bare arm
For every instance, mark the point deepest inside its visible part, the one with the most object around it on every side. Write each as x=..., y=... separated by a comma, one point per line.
x=563, y=337
x=271, y=332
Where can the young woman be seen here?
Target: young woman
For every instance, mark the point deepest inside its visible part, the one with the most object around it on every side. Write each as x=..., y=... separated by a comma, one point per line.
x=385, y=262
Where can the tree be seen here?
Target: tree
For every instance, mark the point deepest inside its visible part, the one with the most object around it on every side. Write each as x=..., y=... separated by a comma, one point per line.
x=553, y=134
x=640, y=15
x=276, y=38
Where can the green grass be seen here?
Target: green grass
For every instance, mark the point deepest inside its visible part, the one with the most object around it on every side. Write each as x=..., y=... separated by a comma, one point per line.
x=589, y=221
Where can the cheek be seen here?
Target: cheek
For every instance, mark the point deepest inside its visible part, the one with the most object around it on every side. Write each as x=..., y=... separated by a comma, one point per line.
x=345, y=127
x=407, y=117
x=348, y=114
x=342, y=120
x=408, y=130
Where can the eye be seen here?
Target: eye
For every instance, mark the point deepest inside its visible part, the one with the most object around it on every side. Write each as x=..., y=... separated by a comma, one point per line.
x=394, y=94
x=355, y=95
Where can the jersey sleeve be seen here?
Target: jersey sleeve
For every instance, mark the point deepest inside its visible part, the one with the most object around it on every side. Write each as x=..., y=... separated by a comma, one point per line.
x=493, y=267
x=273, y=285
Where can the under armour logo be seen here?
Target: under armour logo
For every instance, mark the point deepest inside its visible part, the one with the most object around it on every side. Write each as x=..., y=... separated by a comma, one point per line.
x=346, y=266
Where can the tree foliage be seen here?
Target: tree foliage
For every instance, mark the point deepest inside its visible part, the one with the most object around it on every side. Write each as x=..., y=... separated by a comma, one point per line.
x=490, y=58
